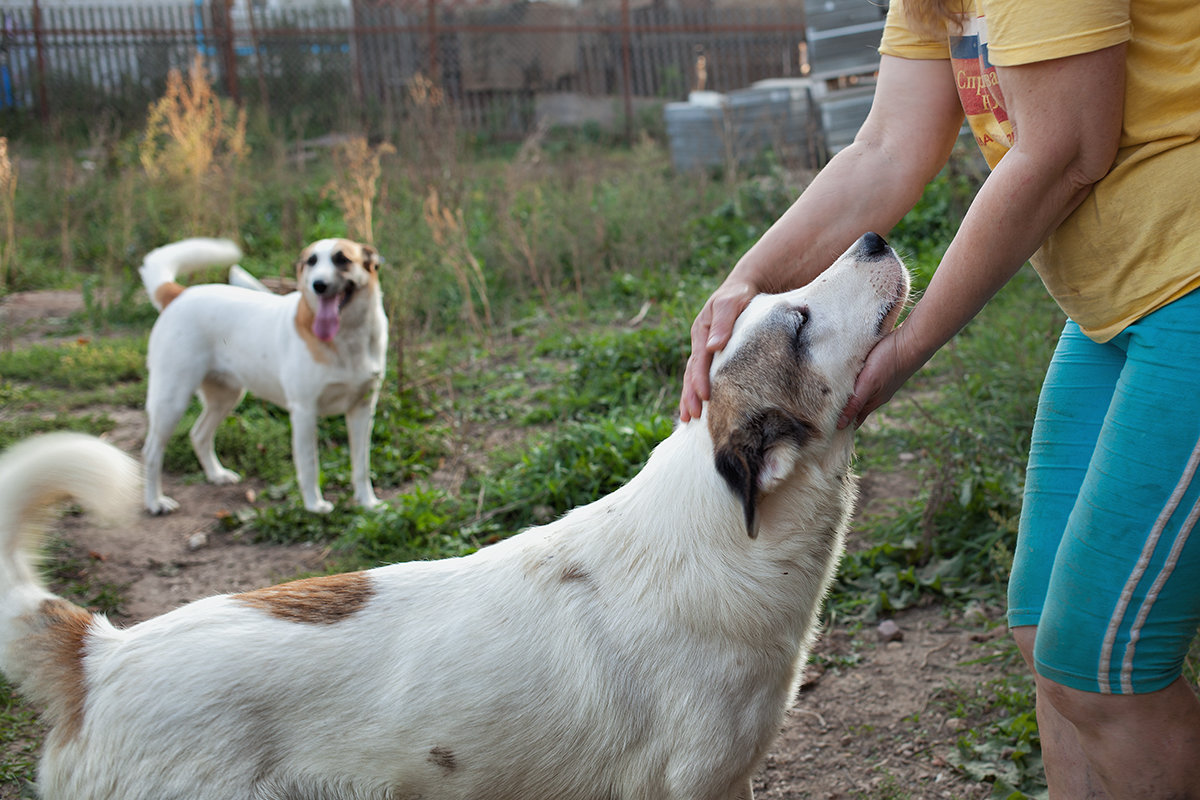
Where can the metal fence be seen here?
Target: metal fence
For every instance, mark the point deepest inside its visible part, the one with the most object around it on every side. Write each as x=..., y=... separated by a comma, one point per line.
x=492, y=60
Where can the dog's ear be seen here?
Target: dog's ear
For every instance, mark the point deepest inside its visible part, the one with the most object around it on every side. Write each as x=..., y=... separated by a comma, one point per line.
x=371, y=258
x=757, y=455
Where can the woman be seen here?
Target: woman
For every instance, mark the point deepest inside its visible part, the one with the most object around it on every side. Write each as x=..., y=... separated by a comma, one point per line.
x=1089, y=115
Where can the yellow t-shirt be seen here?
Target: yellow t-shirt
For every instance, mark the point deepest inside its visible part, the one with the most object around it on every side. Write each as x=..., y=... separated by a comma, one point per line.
x=1134, y=243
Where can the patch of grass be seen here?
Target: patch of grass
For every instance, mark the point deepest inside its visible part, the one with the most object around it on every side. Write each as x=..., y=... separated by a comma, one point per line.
x=14, y=429
x=85, y=364
x=20, y=739
x=569, y=466
x=46, y=386
x=1000, y=743
x=889, y=788
x=631, y=369
x=566, y=467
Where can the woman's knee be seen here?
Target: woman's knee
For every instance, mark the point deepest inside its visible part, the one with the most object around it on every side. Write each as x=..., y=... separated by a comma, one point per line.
x=1025, y=637
x=1084, y=710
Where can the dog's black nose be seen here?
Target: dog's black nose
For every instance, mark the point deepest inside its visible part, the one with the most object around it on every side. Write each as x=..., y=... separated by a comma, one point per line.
x=320, y=286
x=873, y=244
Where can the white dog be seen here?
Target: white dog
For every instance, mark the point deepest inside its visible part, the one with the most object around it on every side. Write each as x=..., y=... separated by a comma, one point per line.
x=315, y=352
x=642, y=647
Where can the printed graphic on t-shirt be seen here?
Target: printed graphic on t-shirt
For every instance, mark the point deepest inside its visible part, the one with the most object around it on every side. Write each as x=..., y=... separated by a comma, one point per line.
x=979, y=89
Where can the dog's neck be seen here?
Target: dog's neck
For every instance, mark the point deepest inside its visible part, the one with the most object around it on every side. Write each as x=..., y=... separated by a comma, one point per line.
x=687, y=529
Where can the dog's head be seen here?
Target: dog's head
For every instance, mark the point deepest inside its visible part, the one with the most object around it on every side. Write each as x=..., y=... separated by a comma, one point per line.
x=790, y=365
x=331, y=273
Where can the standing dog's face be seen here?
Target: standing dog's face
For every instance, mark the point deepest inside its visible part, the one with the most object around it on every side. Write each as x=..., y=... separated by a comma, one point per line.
x=330, y=273
x=790, y=366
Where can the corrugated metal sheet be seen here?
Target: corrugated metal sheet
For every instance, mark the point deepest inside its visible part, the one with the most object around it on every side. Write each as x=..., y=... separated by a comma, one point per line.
x=714, y=130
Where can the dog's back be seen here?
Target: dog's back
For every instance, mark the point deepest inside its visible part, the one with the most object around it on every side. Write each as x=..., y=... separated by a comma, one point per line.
x=163, y=265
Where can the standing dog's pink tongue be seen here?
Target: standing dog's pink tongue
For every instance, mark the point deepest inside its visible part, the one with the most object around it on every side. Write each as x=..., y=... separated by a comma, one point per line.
x=325, y=324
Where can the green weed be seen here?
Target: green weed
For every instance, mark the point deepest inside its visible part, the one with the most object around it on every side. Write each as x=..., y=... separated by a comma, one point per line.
x=20, y=737
x=1000, y=744
x=79, y=365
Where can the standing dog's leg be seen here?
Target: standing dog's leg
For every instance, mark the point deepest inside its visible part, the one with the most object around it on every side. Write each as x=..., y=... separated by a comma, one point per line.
x=218, y=399
x=304, y=455
x=747, y=793
x=358, y=423
x=165, y=405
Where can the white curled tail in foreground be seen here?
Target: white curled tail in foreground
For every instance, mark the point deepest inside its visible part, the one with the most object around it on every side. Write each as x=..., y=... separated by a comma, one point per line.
x=41, y=636
x=162, y=265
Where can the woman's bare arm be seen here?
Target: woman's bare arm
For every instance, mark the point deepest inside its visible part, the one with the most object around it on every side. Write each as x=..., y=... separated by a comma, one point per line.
x=1067, y=116
x=907, y=137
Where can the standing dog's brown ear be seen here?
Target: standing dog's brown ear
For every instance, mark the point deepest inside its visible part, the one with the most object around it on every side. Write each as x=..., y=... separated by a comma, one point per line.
x=371, y=258
x=758, y=454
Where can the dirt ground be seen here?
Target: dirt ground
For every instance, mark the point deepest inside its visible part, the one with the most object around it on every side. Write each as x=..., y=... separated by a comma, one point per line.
x=868, y=722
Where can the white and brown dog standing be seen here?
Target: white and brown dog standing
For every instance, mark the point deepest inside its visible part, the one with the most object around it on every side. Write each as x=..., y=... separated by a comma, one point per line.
x=642, y=647
x=317, y=351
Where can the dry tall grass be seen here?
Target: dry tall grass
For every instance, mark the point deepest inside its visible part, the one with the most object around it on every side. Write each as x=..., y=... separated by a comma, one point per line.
x=449, y=231
x=433, y=145
x=356, y=184
x=8, y=200
x=190, y=138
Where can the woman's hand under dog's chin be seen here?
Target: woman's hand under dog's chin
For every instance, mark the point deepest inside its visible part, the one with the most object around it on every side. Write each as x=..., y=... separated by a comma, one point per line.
x=889, y=365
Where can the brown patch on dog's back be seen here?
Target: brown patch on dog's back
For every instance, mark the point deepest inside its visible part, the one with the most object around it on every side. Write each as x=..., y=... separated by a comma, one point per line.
x=444, y=757
x=166, y=292
x=316, y=601
x=57, y=645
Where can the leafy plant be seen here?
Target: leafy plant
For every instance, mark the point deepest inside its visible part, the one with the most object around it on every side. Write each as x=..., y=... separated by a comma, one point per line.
x=1000, y=743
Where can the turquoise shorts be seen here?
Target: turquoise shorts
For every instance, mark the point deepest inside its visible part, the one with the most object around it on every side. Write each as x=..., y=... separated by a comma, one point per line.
x=1106, y=564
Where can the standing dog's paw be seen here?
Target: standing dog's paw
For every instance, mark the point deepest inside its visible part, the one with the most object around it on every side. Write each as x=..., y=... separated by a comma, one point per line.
x=224, y=477
x=369, y=501
x=161, y=505
x=321, y=506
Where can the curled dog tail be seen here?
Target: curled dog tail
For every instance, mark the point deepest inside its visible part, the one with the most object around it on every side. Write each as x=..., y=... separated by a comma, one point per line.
x=162, y=265
x=43, y=637
x=239, y=277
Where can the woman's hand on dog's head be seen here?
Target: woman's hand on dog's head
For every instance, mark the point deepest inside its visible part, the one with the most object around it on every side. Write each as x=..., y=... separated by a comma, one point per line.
x=710, y=332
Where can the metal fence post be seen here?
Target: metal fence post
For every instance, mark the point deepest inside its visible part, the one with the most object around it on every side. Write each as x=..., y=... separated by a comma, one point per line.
x=431, y=23
x=222, y=17
x=626, y=69
x=42, y=97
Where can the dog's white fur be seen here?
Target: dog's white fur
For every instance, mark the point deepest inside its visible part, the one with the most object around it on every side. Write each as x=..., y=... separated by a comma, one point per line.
x=643, y=647
x=317, y=351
